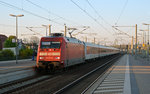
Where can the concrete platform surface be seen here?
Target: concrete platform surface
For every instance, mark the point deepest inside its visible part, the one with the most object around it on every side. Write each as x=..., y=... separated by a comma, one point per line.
x=11, y=66
x=10, y=71
x=129, y=75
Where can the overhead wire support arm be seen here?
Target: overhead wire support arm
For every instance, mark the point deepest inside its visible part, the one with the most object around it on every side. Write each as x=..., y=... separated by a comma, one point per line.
x=123, y=26
x=122, y=31
x=30, y=28
x=81, y=31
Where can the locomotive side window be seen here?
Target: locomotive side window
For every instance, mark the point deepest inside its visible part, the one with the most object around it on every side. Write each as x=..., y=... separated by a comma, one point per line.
x=50, y=44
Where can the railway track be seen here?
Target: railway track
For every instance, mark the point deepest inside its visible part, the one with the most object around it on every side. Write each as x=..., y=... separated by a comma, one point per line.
x=66, y=89
x=15, y=85
x=16, y=75
x=49, y=84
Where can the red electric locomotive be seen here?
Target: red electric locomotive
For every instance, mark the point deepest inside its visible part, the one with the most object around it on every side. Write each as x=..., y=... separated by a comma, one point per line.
x=57, y=51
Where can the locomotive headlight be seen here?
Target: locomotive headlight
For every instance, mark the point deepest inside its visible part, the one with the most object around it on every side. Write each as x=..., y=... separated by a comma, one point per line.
x=41, y=57
x=43, y=53
x=57, y=57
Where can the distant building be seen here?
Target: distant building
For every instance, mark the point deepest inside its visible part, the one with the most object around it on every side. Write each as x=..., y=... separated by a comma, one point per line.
x=2, y=40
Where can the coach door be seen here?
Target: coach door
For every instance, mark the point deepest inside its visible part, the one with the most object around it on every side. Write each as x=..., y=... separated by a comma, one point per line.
x=85, y=51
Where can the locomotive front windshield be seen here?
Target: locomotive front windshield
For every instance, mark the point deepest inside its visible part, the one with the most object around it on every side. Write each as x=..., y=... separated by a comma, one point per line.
x=50, y=44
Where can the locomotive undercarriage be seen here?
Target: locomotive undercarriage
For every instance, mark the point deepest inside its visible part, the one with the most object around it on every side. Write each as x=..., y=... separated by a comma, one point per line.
x=49, y=66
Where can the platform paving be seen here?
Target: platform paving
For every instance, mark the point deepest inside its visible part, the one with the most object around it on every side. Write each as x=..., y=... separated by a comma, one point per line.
x=140, y=70
x=10, y=71
x=129, y=75
x=11, y=66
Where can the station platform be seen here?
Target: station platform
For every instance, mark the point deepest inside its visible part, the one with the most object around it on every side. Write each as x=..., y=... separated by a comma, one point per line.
x=11, y=65
x=129, y=75
x=11, y=71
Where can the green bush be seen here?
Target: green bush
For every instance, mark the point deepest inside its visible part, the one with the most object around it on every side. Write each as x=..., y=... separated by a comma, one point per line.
x=8, y=43
x=25, y=53
x=6, y=54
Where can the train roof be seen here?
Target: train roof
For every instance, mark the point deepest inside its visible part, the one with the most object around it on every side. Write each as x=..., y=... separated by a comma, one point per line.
x=100, y=46
x=67, y=39
x=74, y=40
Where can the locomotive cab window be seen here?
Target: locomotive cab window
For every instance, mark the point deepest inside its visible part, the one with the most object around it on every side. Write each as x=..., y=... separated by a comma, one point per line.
x=51, y=44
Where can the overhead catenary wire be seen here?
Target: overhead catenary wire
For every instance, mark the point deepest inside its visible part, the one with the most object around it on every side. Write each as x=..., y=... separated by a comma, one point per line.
x=102, y=17
x=90, y=16
x=8, y=25
x=46, y=10
x=29, y=28
x=97, y=12
x=15, y=7
x=119, y=19
x=121, y=12
x=22, y=9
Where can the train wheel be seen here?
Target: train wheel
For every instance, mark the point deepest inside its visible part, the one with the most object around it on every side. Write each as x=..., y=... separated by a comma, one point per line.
x=64, y=69
x=50, y=69
x=38, y=69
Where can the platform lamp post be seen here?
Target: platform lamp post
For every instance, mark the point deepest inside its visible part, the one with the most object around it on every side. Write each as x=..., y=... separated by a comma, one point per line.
x=16, y=34
x=148, y=40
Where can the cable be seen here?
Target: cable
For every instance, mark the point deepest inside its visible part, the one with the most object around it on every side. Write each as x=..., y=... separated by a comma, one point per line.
x=122, y=11
x=90, y=16
x=50, y=12
x=12, y=6
x=9, y=25
x=6, y=25
x=97, y=12
x=33, y=31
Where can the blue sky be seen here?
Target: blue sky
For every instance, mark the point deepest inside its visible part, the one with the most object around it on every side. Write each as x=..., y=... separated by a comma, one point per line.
x=135, y=12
